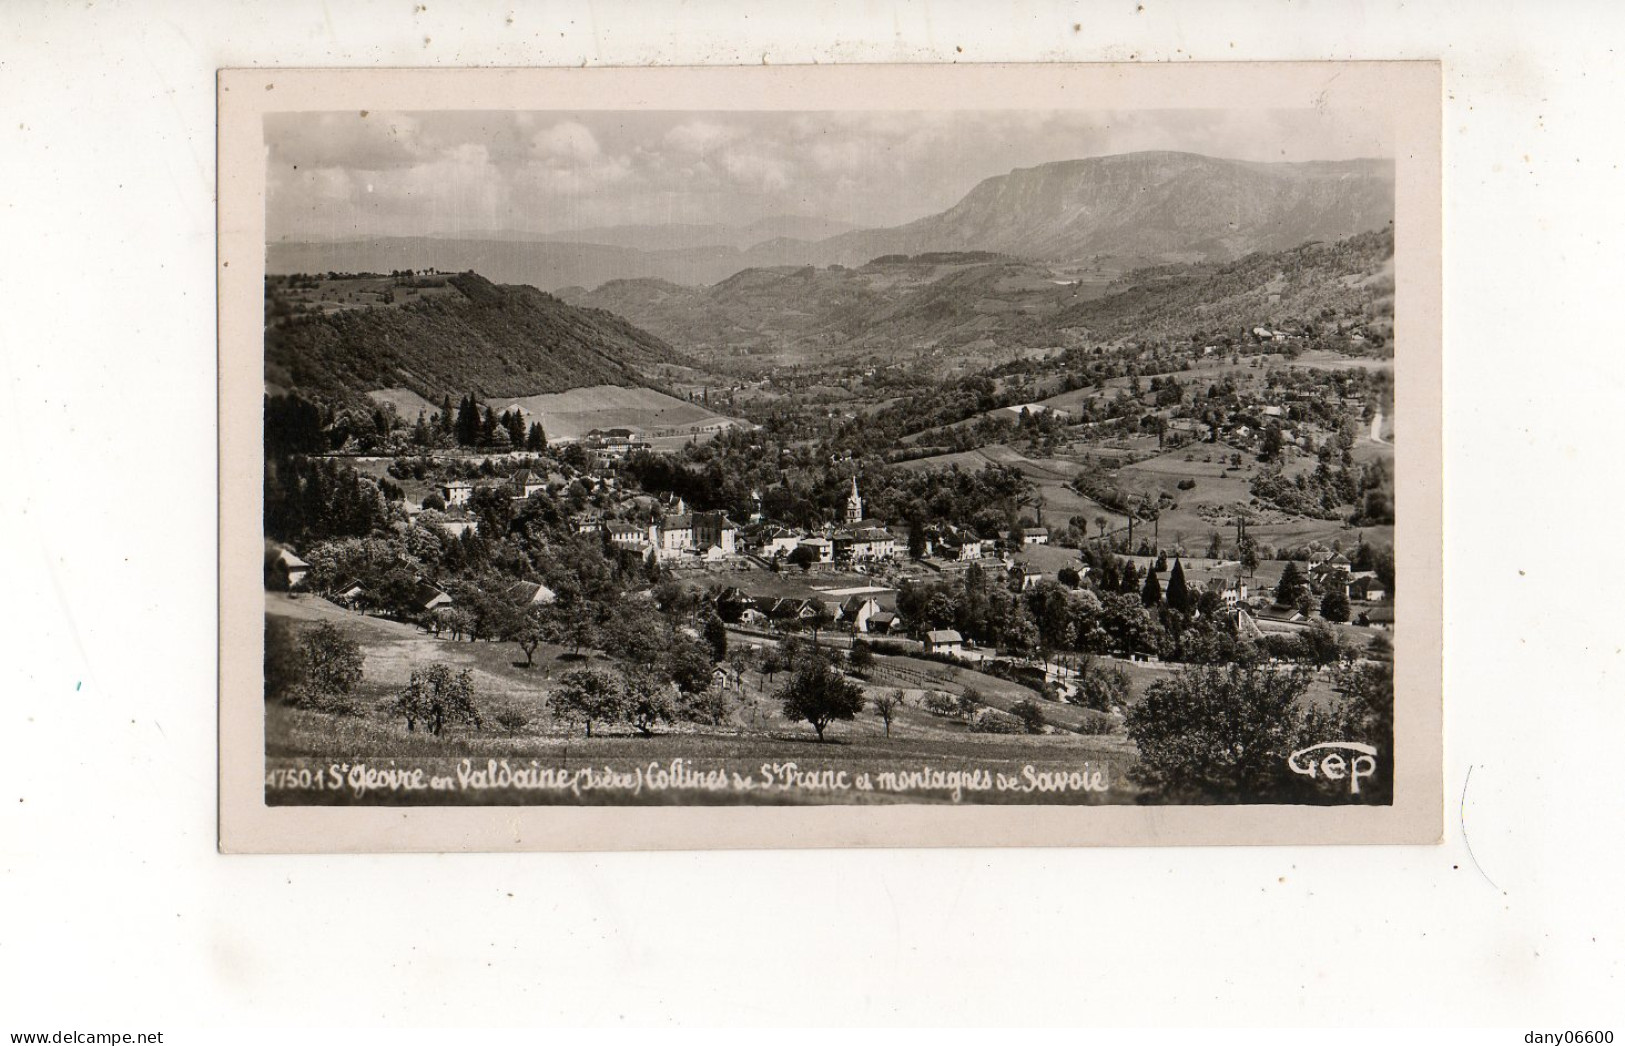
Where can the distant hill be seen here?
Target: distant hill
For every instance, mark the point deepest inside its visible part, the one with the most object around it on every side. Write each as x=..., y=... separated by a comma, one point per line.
x=521, y=259
x=678, y=236
x=963, y=305
x=1109, y=213
x=1145, y=207
x=473, y=336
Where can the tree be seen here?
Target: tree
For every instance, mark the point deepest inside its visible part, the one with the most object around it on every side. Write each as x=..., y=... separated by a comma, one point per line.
x=886, y=705
x=804, y=556
x=716, y=636
x=1248, y=552
x=1030, y=714
x=1151, y=594
x=1318, y=644
x=861, y=657
x=1286, y=590
x=1101, y=689
x=332, y=666
x=468, y=422
x=589, y=695
x=1220, y=733
x=648, y=701
x=529, y=632
x=1178, y=593
x=820, y=619
x=1334, y=605
x=436, y=696
x=536, y=437
x=820, y=695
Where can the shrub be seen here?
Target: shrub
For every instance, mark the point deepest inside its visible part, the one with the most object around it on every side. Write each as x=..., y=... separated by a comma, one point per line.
x=1097, y=725
x=512, y=720
x=710, y=706
x=1102, y=688
x=1186, y=484
x=1031, y=716
x=993, y=721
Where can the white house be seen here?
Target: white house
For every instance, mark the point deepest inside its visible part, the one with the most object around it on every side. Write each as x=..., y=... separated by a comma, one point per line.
x=858, y=610
x=822, y=547
x=944, y=641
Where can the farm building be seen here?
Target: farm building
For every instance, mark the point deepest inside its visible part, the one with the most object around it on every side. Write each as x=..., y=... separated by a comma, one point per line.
x=287, y=570
x=525, y=483
x=1035, y=536
x=531, y=593
x=1378, y=617
x=427, y=598
x=944, y=641
x=858, y=610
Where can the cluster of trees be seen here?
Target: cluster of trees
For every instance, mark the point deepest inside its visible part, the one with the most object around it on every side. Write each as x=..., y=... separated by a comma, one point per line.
x=487, y=430
x=1223, y=733
x=317, y=499
x=318, y=667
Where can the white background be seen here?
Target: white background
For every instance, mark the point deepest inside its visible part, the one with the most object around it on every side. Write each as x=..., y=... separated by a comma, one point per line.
x=115, y=911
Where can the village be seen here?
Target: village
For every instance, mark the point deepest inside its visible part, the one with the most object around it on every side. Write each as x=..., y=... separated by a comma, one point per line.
x=855, y=575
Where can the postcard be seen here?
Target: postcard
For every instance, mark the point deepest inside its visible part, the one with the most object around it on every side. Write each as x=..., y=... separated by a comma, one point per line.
x=963, y=455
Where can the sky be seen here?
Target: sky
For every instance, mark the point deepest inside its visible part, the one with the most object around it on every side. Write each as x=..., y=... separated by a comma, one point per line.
x=337, y=175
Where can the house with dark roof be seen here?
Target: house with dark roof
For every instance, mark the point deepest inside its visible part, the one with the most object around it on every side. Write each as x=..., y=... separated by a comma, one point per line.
x=1378, y=617
x=525, y=483
x=427, y=598
x=531, y=593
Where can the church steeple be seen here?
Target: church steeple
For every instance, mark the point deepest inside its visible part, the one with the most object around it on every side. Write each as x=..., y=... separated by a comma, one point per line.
x=854, y=503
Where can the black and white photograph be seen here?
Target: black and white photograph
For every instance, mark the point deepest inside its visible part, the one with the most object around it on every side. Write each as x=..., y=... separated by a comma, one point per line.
x=799, y=457
x=723, y=517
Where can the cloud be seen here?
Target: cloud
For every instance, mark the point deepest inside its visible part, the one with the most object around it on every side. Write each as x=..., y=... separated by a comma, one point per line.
x=355, y=140
x=697, y=137
x=757, y=172
x=568, y=141
x=407, y=174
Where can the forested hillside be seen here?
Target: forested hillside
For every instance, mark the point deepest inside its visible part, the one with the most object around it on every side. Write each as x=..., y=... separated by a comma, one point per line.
x=494, y=341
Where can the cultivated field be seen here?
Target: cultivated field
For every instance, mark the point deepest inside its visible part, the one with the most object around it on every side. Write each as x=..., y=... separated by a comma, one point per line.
x=301, y=742
x=570, y=415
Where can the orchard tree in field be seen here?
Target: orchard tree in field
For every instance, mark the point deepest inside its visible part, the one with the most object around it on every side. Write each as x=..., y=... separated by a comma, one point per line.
x=886, y=705
x=588, y=696
x=820, y=695
x=1220, y=733
x=436, y=696
x=820, y=619
x=331, y=666
x=529, y=631
x=648, y=701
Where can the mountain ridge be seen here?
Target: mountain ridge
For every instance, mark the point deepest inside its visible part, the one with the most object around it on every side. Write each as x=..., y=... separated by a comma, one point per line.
x=1120, y=211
